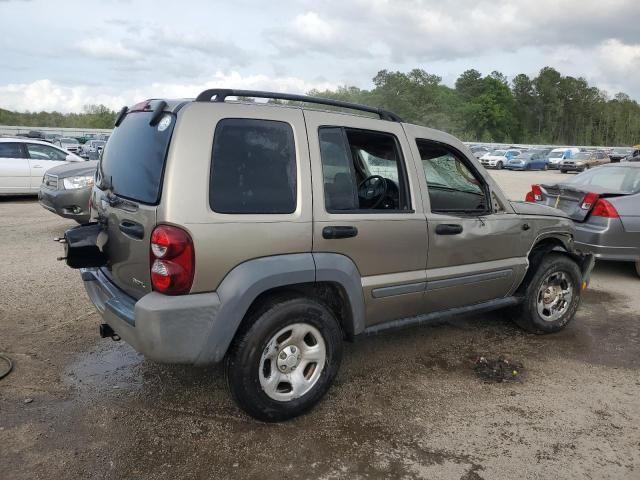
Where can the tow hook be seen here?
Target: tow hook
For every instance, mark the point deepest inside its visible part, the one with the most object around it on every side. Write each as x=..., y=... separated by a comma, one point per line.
x=107, y=332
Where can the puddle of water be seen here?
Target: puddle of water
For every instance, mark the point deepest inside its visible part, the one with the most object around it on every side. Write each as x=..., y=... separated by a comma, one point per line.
x=111, y=366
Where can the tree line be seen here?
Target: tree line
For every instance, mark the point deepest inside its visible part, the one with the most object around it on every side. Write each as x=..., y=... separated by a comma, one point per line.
x=93, y=116
x=547, y=109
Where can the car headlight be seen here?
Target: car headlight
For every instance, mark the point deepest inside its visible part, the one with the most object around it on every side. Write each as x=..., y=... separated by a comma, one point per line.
x=78, y=182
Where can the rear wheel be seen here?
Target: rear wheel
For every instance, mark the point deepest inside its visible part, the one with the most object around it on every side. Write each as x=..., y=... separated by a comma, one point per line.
x=285, y=361
x=552, y=296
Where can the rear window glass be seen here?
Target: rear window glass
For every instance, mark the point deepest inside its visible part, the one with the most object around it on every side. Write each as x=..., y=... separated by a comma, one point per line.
x=253, y=167
x=133, y=159
x=616, y=179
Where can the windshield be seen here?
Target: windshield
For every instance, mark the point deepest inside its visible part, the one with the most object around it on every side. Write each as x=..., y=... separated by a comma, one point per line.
x=558, y=154
x=68, y=140
x=133, y=161
x=622, y=151
x=582, y=156
x=617, y=179
x=498, y=153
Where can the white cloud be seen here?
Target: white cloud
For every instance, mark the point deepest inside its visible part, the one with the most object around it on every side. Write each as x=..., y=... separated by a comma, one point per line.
x=106, y=49
x=49, y=96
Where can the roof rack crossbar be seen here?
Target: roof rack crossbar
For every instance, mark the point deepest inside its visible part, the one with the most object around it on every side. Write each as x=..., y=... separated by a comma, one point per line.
x=221, y=94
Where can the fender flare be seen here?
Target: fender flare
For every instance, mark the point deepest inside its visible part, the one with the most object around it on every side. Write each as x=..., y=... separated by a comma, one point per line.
x=242, y=285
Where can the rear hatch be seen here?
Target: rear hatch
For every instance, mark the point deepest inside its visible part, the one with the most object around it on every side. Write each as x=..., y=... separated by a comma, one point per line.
x=128, y=190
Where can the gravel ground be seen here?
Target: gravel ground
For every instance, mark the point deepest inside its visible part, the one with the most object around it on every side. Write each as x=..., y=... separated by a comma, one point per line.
x=405, y=405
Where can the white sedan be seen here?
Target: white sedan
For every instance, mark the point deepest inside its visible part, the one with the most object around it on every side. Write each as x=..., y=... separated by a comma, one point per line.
x=23, y=163
x=498, y=158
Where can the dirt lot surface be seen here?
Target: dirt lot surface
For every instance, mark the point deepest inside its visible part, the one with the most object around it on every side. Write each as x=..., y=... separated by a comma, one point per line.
x=406, y=405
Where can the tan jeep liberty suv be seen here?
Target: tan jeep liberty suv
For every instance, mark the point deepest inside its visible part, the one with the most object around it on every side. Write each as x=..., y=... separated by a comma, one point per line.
x=264, y=235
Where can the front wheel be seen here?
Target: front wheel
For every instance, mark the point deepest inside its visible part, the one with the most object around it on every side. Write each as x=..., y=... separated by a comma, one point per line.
x=285, y=361
x=552, y=296
x=563, y=171
x=499, y=165
x=638, y=267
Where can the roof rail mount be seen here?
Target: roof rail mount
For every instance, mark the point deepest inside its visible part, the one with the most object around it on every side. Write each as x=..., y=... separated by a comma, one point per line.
x=220, y=94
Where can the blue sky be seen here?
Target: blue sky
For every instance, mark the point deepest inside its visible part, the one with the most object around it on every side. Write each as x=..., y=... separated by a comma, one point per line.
x=63, y=55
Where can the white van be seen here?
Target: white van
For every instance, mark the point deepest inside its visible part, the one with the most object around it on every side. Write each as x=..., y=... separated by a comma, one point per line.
x=557, y=155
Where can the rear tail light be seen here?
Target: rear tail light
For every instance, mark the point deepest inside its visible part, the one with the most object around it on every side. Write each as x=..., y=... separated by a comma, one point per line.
x=589, y=201
x=172, y=260
x=605, y=209
x=535, y=195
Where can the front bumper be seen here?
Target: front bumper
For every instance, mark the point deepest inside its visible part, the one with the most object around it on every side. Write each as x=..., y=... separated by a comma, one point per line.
x=72, y=204
x=572, y=167
x=516, y=166
x=168, y=329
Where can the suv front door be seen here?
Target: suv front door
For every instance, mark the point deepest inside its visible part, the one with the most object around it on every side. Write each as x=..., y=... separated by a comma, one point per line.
x=367, y=207
x=476, y=251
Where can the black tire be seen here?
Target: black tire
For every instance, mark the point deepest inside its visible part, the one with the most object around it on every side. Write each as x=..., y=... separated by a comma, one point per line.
x=563, y=171
x=499, y=165
x=638, y=267
x=243, y=361
x=526, y=315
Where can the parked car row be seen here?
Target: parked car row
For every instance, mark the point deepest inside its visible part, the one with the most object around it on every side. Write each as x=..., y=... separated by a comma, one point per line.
x=565, y=159
x=56, y=138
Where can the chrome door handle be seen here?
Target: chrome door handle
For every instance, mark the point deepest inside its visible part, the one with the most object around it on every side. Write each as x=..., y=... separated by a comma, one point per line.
x=38, y=166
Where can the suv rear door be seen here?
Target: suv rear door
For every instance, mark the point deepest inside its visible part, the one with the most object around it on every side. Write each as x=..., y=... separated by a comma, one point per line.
x=387, y=242
x=127, y=192
x=476, y=250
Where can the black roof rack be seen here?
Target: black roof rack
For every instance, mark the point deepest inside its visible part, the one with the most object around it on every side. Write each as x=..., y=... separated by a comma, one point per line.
x=221, y=94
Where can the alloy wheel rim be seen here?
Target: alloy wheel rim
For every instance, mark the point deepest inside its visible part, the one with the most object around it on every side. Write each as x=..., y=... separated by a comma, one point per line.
x=292, y=362
x=554, y=296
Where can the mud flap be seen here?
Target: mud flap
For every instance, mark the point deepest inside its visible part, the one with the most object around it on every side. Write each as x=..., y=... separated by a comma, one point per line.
x=587, y=262
x=83, y=246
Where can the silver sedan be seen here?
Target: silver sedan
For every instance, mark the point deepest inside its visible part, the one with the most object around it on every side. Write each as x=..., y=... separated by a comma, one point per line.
x=604, y=203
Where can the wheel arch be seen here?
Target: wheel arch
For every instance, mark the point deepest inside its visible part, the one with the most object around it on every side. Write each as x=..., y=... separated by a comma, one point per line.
x=332, y=279
x=543, y=245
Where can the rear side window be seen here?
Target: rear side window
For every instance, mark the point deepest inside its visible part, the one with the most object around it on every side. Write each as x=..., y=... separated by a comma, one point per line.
x=253, y=167
x=133, y=159
x=11, y=150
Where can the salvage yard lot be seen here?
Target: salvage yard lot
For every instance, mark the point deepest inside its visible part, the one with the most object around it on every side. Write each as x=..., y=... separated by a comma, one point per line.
x=405, y=405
